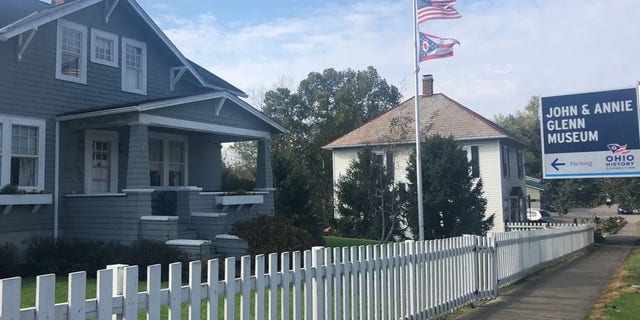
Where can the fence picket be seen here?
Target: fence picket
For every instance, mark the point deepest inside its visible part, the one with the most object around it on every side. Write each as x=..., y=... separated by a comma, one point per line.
x=260, y=285
x=10, y=295
x=308, y=302
x=337, y=288
x=212, y=285
x=362, y=281
x=230, y=286
x=77, y=293
x=154, y=280
x=273, y=286
x=104, y=295
x=45, y=297
x=175, y=290
x=297, y=286
x=346, y=285
x=245, y=289
x=130, y=305
x=285, y=302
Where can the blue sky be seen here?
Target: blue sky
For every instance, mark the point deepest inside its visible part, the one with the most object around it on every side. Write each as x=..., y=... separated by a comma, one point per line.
x=510, y=50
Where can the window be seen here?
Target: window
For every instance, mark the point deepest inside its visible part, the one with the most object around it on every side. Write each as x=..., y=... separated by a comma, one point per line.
x=104, y=48
x=475, y=162
x=384, y=161
x=167, y=160
x=22, y=152
x=71, y=52
x=505, y=162
x=520, y=164
x=134, y=66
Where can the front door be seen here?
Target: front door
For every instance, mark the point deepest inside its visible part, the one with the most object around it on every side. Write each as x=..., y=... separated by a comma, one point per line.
x=101, y=161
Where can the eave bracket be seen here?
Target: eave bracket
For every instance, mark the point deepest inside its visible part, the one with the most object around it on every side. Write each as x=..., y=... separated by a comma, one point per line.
x=219, y=105
x=23, y=43
x=110, y=6
x=175, y=74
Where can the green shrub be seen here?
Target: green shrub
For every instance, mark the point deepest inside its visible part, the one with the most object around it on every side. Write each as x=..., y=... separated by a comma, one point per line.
x=8, y=261
x=43, y=255
x=272, y=234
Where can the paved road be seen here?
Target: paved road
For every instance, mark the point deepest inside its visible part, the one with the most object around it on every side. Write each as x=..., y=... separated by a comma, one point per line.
x=569, y=291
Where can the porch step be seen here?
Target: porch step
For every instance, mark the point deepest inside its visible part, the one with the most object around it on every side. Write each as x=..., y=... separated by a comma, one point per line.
x=209, y=214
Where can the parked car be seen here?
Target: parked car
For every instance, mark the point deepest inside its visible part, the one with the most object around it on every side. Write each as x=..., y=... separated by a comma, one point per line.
x=540, y=215
x=625, y=209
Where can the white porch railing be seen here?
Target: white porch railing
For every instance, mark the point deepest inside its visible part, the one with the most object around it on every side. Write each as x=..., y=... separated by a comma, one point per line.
x=409, y=279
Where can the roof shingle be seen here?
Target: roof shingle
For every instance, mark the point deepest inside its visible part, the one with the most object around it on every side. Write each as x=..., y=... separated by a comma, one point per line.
x=439, y=114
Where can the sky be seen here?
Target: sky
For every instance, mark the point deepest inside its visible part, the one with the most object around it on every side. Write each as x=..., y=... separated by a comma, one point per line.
x=509, y=50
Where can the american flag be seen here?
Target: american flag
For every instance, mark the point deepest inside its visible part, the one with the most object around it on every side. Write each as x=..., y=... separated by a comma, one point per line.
x=436, y=9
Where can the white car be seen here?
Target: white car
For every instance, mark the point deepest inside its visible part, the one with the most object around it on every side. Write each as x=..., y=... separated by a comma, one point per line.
x=539, y=215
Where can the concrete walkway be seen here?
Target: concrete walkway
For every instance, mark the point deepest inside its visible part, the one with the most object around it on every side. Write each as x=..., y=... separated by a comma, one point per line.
x=566, y=292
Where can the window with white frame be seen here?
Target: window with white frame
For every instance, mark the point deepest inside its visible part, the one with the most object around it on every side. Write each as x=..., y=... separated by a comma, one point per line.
x=104, y=48
x=167, y=160
x=71, y=52
x=134, y=66
x=473, y=156
x=505, y=162
x=22, y=152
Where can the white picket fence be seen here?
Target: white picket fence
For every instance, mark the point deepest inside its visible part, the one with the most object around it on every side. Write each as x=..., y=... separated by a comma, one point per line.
x=417, y=280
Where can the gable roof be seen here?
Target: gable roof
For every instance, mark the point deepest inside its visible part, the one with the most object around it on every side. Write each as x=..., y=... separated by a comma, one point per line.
x=153, y=104
x=19, y=16
x=439, y=114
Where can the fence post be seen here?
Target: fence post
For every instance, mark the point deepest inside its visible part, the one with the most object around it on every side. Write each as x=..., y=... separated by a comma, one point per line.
x=494, y=266
x=118, y=283
x=317, y=283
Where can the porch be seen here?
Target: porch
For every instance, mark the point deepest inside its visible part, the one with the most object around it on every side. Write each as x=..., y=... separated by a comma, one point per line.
x=133, y=175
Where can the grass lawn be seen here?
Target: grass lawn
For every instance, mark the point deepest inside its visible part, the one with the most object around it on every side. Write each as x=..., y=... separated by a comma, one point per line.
x=333, y=242
x=29, y=296
x=627, y=304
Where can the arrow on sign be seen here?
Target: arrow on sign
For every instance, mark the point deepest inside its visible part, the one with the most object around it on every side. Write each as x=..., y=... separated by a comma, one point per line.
x=555, y=164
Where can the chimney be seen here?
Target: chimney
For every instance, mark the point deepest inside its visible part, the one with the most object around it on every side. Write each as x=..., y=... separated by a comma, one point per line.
x=57, y=2
x=427, y=85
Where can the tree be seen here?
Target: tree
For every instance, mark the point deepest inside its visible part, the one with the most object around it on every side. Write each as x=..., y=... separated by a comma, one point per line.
x=526, y=126
x=324, y=107
x=453, y=202
x=368, y=200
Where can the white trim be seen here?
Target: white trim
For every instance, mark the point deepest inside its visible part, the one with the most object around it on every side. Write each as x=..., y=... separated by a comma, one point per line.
x=159, y=218
x=94, y=195
x=166, y=138
x=82, y=79
x=174, y=102
x=113, y=138
x=143, y=46
x=110, y=7
x=56, y=183
x=166, y=122
x=24, y=44
x=209, y=214
x=115, y=52
x=138, y=190
x=5, y=164
x=9, y=32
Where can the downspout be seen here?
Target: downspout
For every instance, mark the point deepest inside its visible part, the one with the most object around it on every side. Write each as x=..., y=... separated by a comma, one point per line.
x=56, y=182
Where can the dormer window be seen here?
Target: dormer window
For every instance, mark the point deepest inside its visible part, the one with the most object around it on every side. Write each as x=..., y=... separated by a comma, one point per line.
x=134, y=66
x=71, y=52
x=104, y=48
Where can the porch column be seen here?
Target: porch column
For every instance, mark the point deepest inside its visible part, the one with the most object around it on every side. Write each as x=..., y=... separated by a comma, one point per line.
x=138, y=162
x=264, y=174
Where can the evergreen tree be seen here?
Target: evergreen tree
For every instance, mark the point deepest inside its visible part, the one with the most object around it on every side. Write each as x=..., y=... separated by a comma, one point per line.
x=368, y=200
x=453, y=201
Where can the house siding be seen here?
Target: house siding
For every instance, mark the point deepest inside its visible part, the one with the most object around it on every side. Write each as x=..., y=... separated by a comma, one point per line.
x=490, y=172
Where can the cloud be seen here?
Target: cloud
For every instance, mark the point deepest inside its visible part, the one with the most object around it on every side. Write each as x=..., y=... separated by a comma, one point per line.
x=510, y=50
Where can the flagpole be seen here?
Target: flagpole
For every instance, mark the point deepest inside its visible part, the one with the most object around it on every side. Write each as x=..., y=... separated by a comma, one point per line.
x=416, y=99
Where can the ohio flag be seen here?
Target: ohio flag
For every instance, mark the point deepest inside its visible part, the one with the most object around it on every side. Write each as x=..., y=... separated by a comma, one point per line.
x=432, y=47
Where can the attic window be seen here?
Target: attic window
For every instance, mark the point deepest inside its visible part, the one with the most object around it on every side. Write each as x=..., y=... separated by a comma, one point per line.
x=104, y=48
x=71, y=52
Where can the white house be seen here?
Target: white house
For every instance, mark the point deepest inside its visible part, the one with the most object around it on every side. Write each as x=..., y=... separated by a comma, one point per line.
x=495, y=155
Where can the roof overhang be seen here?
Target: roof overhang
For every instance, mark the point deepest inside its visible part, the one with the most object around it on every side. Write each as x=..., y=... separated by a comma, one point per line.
x=170, y=102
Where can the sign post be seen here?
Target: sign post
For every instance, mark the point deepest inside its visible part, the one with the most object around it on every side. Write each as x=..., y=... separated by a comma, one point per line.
x=590, y=135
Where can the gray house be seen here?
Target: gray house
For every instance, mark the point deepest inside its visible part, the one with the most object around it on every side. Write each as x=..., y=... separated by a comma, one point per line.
x=111, y=133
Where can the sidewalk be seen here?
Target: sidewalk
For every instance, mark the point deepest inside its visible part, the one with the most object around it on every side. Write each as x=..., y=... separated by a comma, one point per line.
x=567, y=292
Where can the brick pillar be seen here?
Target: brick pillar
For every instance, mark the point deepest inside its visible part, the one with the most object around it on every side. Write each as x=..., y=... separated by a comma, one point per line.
x=138, y=161
x=264, y=174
